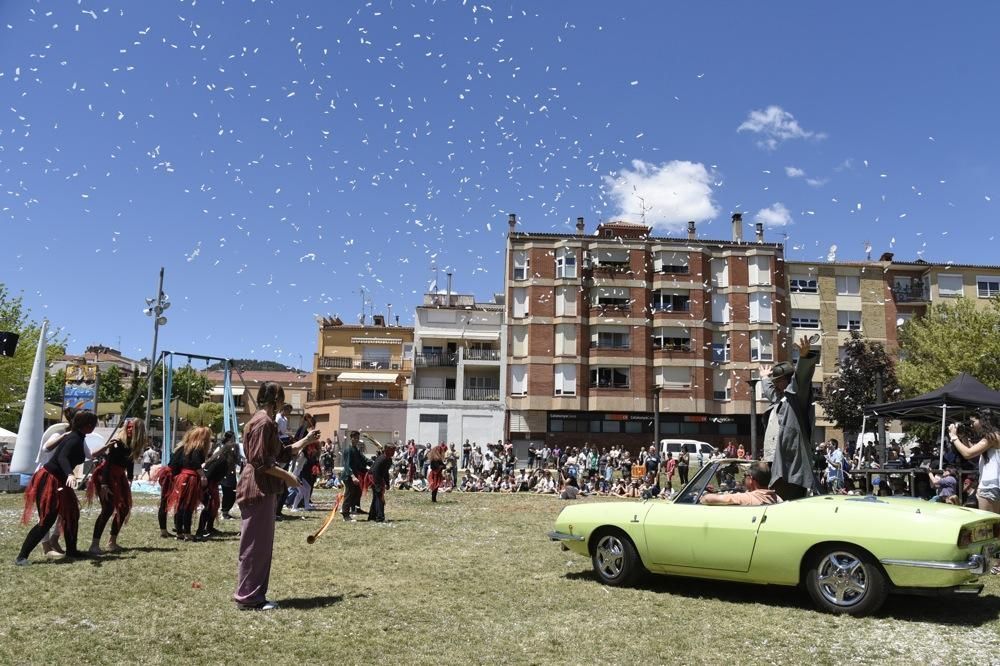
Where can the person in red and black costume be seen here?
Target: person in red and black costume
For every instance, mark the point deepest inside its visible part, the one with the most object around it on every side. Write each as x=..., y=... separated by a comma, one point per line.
x=380, y=483
x=50, y=492
x=188, y=486
x=220, y=465
x=109, y=481
x=164, y=475
x=434, y=479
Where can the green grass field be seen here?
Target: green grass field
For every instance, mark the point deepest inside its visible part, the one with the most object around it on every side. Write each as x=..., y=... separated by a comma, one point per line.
x=470, y=580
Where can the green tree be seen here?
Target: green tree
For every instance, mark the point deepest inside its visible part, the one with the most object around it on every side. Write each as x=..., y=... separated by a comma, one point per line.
x=55, y=385
x=109, y=385
x=134, y=399
x=853, y=387
x=15, y=372
x=207, y=414
x=947, y=340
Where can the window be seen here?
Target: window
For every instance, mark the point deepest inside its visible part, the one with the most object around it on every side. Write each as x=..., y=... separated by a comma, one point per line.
x=671, y=377
x=565, y=340
x=374, y=394
x=376, y=357
x=520, y=302
x=671, y=338
x=610, y=337
x=721, y=385
x=759, y=268
x=848, y=320
x=950, y=285
x=565, y=379
x=720, y=272
x=988, y=286
x=519, y=340
x=720, y=308
x=609, y=377
x=762, y=346
x=518, y=380
x=565, y=262
x=848, y=285
x=671, y=300
x=802, y=284
x=610, y=297
x=721, y=347
x=805, y=319
x=841, y=354
x=521, y=264
x=671, y=262
x=760, y=308
x=612, y=258
x=566, y=301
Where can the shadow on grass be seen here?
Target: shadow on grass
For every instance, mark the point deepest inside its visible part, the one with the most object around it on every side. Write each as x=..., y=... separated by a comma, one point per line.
x=309, y=603
x=947, y=610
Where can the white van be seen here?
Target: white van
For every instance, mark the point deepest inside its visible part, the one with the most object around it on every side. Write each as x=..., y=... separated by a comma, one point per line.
x=698, y=452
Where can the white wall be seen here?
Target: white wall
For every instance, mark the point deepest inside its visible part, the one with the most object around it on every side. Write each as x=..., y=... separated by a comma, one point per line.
x=477, y=423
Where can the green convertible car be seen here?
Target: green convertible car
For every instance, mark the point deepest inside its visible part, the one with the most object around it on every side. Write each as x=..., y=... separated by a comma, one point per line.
x=848, y=551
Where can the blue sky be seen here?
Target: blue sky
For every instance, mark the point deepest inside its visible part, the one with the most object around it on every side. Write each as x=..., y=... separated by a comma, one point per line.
x=277, y=157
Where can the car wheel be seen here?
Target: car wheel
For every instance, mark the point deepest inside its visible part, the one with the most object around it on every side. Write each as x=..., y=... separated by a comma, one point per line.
x=843, y=579
x=615, y=559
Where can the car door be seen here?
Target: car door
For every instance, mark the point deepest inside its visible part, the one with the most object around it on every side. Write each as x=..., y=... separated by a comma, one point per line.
x=706, y=537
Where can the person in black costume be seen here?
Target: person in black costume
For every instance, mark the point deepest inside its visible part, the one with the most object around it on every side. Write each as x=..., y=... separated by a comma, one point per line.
x=110, y=482
x=219, y=466
x=380, y=483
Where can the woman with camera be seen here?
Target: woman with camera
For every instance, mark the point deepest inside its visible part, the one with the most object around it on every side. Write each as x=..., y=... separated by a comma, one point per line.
x=981, y=425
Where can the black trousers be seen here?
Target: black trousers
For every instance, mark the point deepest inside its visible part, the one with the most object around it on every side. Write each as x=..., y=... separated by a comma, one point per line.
x=228, y=499
x=377, y=510
x=352, y=496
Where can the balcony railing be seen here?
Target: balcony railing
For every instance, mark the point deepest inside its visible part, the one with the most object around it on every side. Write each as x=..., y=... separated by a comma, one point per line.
x=360, y=393
x=672, y=347
x=672, y=307
x=619, y=307
x=491, y=394
x=612, y=267
x=442, y=360
x=433, y=393
x=910, y=294
x=482, y=354
x=609, y=385
x=361, y=363
x=621, y=346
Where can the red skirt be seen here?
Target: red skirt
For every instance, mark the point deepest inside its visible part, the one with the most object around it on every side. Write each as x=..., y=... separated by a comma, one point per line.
x=434, y=479
x=366, y=482
x=164, y=476
x=185, y=492
x=118, y=485
x=50, y=495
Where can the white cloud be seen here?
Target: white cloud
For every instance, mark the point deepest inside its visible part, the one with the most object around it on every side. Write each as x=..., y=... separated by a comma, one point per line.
x=775, y=125
x=775, y=215
x=794, y=172
x=670, y=193
x=817, y=182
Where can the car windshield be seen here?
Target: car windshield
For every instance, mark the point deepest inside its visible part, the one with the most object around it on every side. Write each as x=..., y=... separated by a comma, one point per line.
x=718, y=477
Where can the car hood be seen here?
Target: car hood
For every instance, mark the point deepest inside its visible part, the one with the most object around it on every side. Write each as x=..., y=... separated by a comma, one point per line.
x=895, y=505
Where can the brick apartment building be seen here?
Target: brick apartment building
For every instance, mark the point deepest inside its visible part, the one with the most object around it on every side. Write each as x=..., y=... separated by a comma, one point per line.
x=597, y=325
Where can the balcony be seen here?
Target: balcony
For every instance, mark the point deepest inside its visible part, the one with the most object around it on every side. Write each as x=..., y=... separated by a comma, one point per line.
x=483, y=394
x=433, y=393
x=481, y=354
x=360, y=363
x=442, y=360
x=615, y=346
x=614, y=306
x=358, y=393
x=611, y=268
x=914, y=293
x=678, y=306
x=672, y=346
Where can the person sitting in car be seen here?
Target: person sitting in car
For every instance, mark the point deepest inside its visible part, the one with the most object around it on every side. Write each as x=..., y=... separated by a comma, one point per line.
x=757, y=492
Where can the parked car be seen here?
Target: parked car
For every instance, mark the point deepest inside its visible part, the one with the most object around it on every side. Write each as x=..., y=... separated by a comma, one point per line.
x=849, y=552
x=699, y=453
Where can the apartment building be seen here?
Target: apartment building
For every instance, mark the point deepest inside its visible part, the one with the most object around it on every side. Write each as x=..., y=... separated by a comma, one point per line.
x=245, y=385
x=458, y=379
x=600, y=325
x=361, y=377
x=914, y=285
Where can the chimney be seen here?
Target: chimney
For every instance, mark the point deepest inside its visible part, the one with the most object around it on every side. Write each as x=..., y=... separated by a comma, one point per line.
x=388, y=313
x=449, y=288
x=759, y=229
x=692, y=231
x=512, y=221
x=579, y=226
x=397, y=321
x=737, y=227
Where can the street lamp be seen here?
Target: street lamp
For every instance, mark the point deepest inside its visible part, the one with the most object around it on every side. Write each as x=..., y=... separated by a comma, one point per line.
x=155, y=307
x=755, y=453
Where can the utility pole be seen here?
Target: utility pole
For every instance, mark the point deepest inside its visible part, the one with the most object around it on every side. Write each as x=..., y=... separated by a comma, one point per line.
x=155, y=308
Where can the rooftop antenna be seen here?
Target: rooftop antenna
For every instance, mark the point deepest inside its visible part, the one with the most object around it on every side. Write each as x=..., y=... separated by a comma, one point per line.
x=868, y=250
x=362, y=318
x=643, y=208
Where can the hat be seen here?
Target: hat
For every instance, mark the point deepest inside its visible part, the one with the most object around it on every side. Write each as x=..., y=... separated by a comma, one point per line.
x=782, y=369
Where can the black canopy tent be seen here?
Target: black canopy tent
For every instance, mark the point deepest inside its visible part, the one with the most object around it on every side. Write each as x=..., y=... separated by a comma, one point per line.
x=961, y=394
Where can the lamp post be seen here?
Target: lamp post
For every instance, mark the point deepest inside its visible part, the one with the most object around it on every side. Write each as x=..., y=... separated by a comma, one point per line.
x=755, y=452
x=155, y=308
x=656, y=416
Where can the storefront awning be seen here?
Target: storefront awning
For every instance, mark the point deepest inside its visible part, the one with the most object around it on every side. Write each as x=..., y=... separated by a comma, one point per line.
x=376, y=341
x=457, y=334
x=221, y=390
x=368, y=377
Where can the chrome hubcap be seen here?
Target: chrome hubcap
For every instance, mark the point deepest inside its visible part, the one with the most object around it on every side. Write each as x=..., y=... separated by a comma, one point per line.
x=610, y=555
x=842, y=579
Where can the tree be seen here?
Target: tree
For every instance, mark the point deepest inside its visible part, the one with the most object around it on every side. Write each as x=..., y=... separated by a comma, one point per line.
x=15, y=372
x=207, y=414
x=55, y=385
x=109, y=385
x=134, y=400
x=253, y=364
x=947, y=340
x=853, y=387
